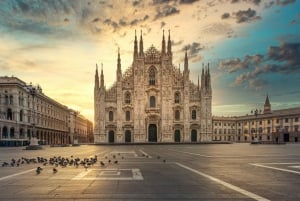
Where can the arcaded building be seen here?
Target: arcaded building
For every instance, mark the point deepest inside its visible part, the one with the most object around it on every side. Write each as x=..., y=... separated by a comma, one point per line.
x=153, y=101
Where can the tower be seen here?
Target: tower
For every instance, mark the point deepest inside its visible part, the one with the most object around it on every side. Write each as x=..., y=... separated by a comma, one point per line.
x=267, y=106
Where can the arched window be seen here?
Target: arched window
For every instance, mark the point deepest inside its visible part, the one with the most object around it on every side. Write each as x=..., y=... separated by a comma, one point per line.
x=152, y=101
x=194, y=114
x=9, y=114
x=177, y=114
x=127, y=115
x=21, y=115
x=111, y=116
x=152, y=76
x=177, y=97
x=127, y=98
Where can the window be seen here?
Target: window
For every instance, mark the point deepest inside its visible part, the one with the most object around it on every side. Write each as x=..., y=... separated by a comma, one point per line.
x=296, y=119
x=260, y=122
x=21, y=115
x=177, y=114
x=269, y=121
x=127, y=98
x=277, y=121
x=110, y=116
x=152, y=101
x=152, y=76
x=268, y=129
x=296, y=128
x=177, y=97
x=6, y=100
x=286, y=120
x=194, y=114
x=11, y=99
x=9, y=114
x=127, y=115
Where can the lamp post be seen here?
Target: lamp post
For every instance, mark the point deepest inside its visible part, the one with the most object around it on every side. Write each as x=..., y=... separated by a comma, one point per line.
x=256, y=112
x=75, y=138
x=33, y=140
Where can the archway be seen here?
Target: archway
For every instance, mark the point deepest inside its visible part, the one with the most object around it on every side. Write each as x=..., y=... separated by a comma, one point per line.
x=4, y=132
x=177, y=136
x=152, y=133
x=193, y=135
x=127, y=136
x=111, y=136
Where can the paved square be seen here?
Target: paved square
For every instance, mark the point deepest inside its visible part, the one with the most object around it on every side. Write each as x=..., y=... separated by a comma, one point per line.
x=154, y=172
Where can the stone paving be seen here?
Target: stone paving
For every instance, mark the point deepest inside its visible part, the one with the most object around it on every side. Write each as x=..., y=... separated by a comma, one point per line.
x=155, y=172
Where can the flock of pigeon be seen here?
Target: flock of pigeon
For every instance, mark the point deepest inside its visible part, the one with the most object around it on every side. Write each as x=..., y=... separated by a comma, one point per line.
x=63, y=162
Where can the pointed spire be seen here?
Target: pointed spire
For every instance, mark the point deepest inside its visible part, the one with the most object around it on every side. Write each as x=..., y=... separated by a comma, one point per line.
x=163, y=45
x=208, y=78
x=186, y=62
x=119, y=60
x=198, y=83
x=267, y=105
x=202, y=78
x=96, y=78
x=169, y=44
x=119, y=70
x=141, y=45
x=102, y=77
x=135, y=52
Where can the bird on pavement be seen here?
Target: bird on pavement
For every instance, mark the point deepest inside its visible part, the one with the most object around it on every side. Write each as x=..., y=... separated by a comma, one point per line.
x=38, y=170
x=116, y=162
x=102, y=164
x=54, y=170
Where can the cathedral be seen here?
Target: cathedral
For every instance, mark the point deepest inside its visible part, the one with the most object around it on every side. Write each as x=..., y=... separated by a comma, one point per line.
x=153, y=101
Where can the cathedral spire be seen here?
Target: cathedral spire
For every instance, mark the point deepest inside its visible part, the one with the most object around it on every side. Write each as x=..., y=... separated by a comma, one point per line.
x=141, y=45
x=169, y=44
x=202, y=78
x=198, y=83
x=135, y=52
x=208, y=78
x=163, y=45
x=102, y=77
x=119, y=71
x=186, y=62
x=96, y=78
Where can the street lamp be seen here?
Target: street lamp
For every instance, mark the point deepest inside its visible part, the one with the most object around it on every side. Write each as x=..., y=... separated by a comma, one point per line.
x=33, y=140
x=75, y=139
x=256, y=112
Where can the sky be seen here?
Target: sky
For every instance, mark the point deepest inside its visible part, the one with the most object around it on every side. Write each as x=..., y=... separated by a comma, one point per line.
x=253, y=46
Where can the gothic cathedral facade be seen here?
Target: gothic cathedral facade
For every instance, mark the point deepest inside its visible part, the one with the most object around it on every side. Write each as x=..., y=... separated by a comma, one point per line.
x=153, y=101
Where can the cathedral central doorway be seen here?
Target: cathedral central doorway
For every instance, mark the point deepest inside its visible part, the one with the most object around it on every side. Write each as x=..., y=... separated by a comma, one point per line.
x=177, y=136
x=127, y=136
x=152, y=133
x=111, y=136
x=193, y=135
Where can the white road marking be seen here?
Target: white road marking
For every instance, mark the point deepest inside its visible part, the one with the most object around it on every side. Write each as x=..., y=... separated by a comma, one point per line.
x=294, y=166
x=232, y=156
x=145, y=153
x=228, y=185
x=16, y=174
x=275, y=168
x=136, y=175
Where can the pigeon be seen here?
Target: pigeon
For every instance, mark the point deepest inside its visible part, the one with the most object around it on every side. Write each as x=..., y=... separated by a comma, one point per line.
x=38, y=170
x=158, y=157
x=102, y=164
x=116, y=162
x=54, y=170
x=164, y=160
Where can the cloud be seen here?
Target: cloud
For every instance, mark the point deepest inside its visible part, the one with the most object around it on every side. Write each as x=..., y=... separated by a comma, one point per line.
x=284, y=2
x=246, y=15
x=233, y=65
x=177, y=43
x=187, y=1
x=256, y=2
x=287, y=54
x=225, y=16
x=166, y=11
x=281, y=59
x=193, y=51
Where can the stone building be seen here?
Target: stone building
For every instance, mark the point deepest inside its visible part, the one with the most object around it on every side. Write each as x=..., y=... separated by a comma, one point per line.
x=153, y=101
x=261, y=125
x=25, y=112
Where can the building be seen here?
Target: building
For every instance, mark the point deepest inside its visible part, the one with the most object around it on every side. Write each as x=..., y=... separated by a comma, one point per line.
x=262, y=125
x=26, y=112
x=153, y=101
x=80, y=128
